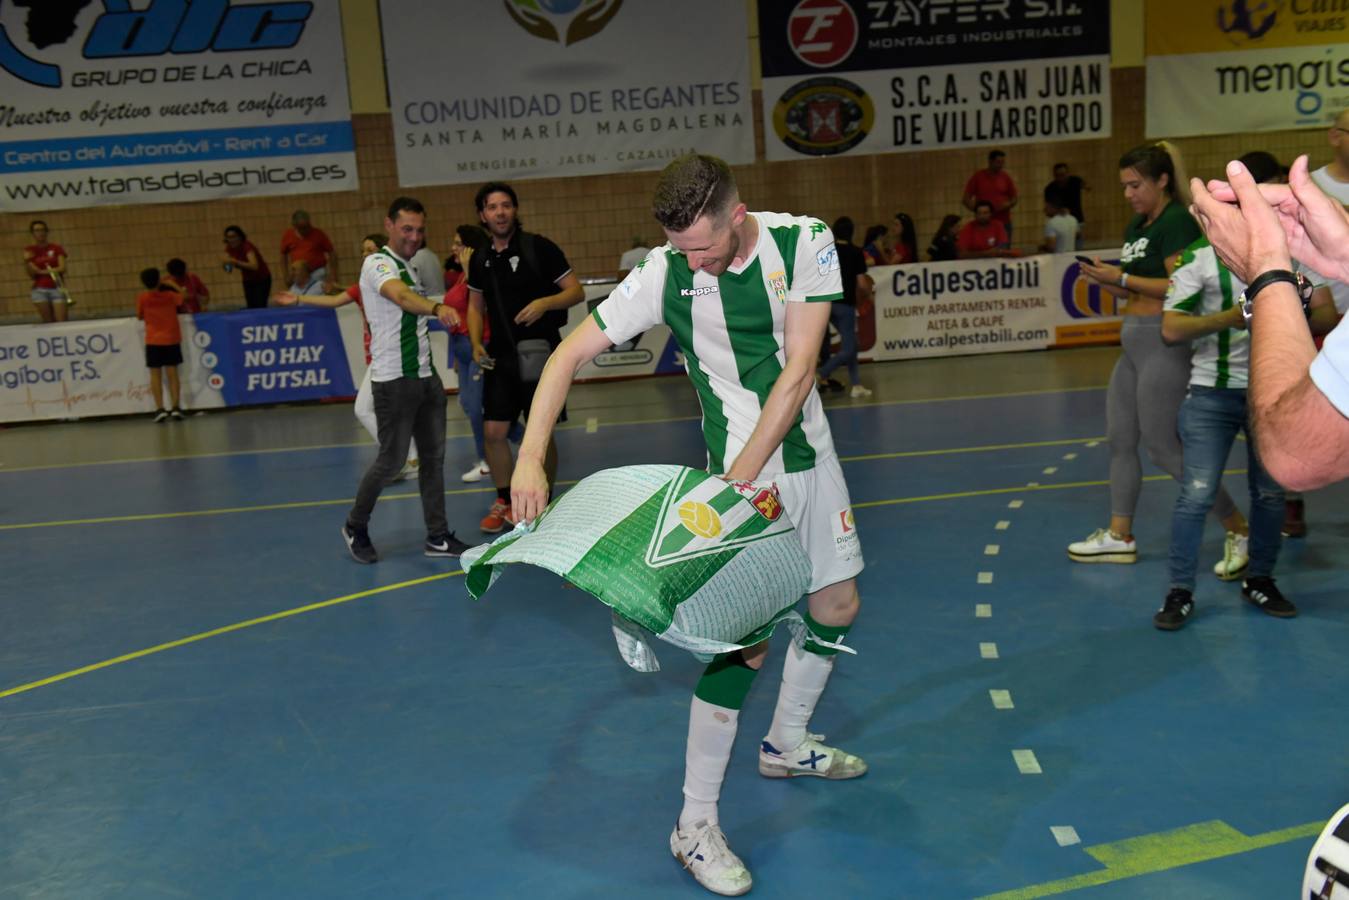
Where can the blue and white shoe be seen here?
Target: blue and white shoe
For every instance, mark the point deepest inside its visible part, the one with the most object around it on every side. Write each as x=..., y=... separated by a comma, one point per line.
x=701, y=848
x=811, y=758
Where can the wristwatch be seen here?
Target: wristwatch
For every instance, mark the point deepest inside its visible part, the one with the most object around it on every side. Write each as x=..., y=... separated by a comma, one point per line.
x=1304, y=289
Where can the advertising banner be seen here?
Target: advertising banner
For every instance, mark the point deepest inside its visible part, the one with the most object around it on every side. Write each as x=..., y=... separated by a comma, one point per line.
x=73, y=369
x=544, y=88
x=851, y=76
x=103, y=104
x=985, y=306
x=1236, y=67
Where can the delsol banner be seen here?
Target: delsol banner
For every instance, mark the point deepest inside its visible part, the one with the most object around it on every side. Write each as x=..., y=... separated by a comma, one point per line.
x=268, y=356
x=1236, y=66
x=535, y=88
x=102, y=103
x=852, y=76
x=985, y=306
x=73, y=369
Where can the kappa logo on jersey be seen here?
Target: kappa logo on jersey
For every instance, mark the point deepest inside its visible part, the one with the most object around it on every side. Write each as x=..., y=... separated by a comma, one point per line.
x=162, y=27
x=563, y=21
x=823, y=116
x=778, y=282
x=822, y=33
x=698, y=291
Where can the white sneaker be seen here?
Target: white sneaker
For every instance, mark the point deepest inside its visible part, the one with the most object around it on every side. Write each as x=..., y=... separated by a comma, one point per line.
x=702, y=849
x=1102, y=546
x=811, y=758
x=409, y=470
x=1236, y=554
x=477, y=473
x=859, y=391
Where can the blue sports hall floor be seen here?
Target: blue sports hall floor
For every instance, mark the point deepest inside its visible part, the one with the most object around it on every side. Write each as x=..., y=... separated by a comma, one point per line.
x=201, y=695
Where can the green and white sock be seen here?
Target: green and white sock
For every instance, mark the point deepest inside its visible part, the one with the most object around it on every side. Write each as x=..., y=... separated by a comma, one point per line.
x=714, y=717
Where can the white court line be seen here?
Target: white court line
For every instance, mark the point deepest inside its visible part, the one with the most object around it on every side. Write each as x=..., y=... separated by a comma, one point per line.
x=988, y=650
x=1026, y=763
x=983, y=610
x=1032, y=484
x=1093, y=443
x=1066, y=835
x=1015, y=504
x=1001, y=699
x=1050, y=470
x=1070, y=456
x=1002, y=525
x=592, y=425
x=991, y=549
x=985, y=578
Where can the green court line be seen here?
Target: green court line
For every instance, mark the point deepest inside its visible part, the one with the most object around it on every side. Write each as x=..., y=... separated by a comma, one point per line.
x=215, y=632
x=562, y=427
x=1161, y=852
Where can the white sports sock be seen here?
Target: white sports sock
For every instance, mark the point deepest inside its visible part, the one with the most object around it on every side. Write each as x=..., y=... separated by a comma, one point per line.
x=804, y=676
x=711, y=734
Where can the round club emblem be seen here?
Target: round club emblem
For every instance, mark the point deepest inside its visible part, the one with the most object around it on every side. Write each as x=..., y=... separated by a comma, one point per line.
x=823, y=116
x=215, y=381
x=822, y=33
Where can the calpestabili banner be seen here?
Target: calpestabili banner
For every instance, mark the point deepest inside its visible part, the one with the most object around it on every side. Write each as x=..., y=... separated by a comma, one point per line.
x=549, y=88
x=860, y=77
x=102, y=103
x=1237, y=66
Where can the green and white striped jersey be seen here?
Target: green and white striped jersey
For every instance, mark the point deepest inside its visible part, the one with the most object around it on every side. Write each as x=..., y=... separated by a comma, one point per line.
x=399, y=347
x=1201, y=285
x=731, y=331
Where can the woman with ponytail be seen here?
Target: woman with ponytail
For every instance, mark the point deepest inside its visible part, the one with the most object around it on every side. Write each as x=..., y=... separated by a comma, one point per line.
x=1150, y=378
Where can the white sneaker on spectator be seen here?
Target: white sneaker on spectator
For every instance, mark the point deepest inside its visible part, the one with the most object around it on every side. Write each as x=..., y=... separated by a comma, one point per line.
x=701, y=848
x=1236, y=555
x=859, y=391
x=477, y=473
x=1102, y=546
x=409, y=470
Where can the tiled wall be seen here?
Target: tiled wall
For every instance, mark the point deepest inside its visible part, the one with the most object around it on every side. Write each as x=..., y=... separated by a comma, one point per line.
x=595, y=218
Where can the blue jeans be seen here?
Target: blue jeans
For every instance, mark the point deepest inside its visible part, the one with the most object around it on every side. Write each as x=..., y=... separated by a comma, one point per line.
x=1210, y=419
x=844, y=319
x=470, y=391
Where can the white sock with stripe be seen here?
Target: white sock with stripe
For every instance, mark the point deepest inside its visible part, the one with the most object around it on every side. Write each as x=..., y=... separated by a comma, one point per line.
x=711, y=733
x=804, y=676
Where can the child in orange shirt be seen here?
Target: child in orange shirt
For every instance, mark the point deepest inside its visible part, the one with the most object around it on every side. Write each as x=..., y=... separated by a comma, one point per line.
x=158, y=306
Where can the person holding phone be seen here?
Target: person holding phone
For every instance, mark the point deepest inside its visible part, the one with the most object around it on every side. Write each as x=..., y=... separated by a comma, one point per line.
x=1150, y=378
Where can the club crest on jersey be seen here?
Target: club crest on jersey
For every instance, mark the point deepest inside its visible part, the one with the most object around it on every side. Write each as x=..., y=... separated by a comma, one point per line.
x=768, y=504
x=515, y=263
x=778, y=282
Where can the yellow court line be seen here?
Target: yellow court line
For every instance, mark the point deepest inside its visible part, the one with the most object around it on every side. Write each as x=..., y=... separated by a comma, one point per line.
x=306, y=504
x=959, y=495
x=1161, y=852
x=237, y=626
x=562, y=427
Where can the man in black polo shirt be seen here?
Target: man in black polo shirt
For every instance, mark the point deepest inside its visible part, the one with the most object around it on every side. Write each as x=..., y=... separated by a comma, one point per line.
x=522, y=285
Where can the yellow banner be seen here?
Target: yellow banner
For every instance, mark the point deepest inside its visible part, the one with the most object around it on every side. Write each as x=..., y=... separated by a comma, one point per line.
x=1216, y=26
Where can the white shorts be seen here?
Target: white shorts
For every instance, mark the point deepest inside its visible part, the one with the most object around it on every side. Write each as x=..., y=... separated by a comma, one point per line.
x=817, y=503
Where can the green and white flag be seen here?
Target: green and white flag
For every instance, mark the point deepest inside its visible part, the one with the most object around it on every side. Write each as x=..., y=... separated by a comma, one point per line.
x=708, y=565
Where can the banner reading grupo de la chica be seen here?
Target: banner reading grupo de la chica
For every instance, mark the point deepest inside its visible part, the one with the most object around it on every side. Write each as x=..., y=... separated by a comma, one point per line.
x=852, y=76
x=1235, y=66
x=539, y=88
x=101, y=103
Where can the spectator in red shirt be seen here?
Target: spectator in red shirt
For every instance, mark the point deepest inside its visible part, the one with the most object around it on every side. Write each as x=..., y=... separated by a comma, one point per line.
x=995, y=186
x=241, y=254
x=983, y=236
x=906, y=243
x=158, y=306
x=46, y=264
x=195, y=295
x=306, y=243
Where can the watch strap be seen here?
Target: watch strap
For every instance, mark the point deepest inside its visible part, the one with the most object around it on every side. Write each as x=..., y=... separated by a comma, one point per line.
x=1264, y=280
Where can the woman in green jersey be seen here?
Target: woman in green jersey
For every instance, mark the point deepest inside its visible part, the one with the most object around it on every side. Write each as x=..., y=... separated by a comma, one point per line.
x=1150, y=377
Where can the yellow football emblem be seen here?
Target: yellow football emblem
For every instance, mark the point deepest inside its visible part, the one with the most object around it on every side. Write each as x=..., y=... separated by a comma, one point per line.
x=700, y=519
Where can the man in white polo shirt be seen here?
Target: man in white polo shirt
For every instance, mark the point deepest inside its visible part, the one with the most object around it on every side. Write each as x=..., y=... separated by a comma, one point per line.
x=409, y=396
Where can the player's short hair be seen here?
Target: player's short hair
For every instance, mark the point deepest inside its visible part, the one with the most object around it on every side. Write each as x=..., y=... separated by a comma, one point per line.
x=843, y=228
x=177, y=268
x=237, y=230
x=150, y=278
x=35, y=223
x=375, y=238
x=996, y=154
x=299, y=216
x=405, y=204
x=691, y=186
x=494, y=187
